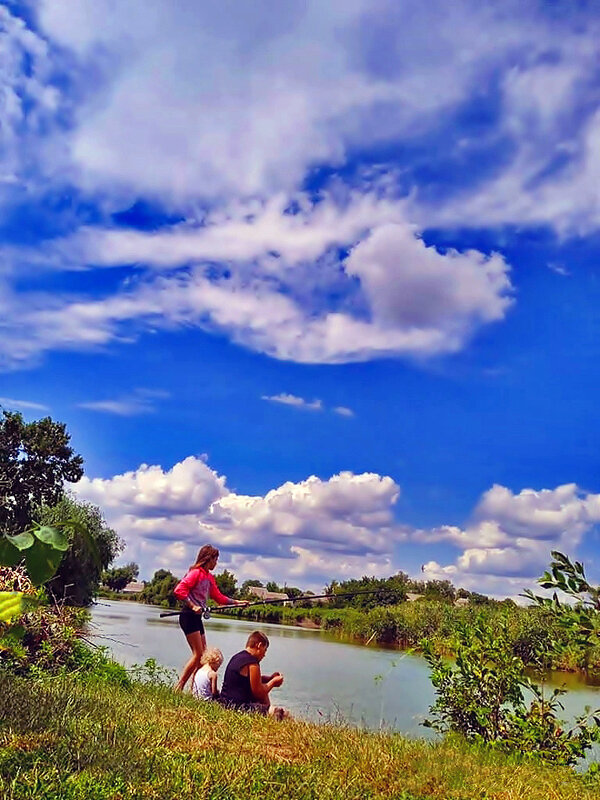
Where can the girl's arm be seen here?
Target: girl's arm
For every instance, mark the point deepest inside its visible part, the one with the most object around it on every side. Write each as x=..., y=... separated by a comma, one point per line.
x=219, y=597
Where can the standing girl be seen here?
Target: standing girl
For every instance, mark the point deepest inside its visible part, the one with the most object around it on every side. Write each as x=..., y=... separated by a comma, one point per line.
x=193, y=591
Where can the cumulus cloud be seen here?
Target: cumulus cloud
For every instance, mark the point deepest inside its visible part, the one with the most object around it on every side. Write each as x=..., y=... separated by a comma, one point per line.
x=510, y=536
x=313, y=529
x=188, y=488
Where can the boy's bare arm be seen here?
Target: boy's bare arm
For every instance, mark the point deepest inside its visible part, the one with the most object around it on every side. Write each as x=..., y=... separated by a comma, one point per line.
x=260, y=692
x=260, y=688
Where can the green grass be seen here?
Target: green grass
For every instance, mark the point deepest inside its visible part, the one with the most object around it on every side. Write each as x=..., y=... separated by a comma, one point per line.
x=67, y=739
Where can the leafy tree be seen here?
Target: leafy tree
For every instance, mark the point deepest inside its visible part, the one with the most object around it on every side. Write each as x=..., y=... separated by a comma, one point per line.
x=117, y=578
x=247, y=585
x=227, y=582
x=35, y=461
x=79, y=572
x=370, y=591
x=272, y=587
x=159, y=591
x=292, y=591
x=440, y=590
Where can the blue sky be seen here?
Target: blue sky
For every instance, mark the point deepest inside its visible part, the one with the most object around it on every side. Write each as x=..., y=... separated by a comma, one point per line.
x=315, y=282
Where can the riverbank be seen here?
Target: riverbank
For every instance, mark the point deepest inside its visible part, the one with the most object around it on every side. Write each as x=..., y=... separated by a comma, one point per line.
x=404, y=626
x=77, y=739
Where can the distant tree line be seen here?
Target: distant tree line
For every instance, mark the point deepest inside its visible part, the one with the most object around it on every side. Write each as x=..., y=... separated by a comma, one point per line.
x=371, y=592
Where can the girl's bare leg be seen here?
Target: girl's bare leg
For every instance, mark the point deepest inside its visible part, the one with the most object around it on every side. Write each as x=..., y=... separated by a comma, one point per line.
x=197, y=643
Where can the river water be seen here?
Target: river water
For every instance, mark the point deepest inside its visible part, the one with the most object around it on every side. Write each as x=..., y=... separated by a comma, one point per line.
x=325, y=679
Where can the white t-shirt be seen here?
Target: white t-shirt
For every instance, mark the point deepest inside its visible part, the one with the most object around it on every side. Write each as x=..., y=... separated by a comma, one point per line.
x=201, y=686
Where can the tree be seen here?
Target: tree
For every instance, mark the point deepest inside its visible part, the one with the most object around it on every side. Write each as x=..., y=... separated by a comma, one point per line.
x=247, y=585
x=118, y=577
x=227, y=583
x=35, y=462
x=78, y=575
x=292, y=591
x=370, y=592
x=272, y=587
x=440, y=590
x=159, y=591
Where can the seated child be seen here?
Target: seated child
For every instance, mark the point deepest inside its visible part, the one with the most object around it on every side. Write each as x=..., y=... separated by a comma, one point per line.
x=244, y=687
x=204, y=683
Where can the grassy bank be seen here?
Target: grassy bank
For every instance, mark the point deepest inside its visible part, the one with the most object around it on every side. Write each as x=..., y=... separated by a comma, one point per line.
x=407, y=624
x=66, y=739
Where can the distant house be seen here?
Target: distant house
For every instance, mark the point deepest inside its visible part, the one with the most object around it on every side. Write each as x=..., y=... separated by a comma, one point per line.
x=133, y=587
x=461, y=601
x=412, y=596
x=265, y=594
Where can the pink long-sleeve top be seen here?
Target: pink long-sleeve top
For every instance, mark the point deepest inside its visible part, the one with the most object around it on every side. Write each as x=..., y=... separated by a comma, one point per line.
x=197, y=586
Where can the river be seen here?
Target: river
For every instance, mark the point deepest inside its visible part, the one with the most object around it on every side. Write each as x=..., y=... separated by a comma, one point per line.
x=325, y=679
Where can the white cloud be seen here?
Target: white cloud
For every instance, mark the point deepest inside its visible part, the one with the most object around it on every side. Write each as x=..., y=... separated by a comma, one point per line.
x=244, y=102
x=432, y=303
x=293, y=400
x=188, y=488
x=306, y=405
x=25, y=405
x=343, y=411
x=226, y=113
x=314, y=529
x=307, y=533
x=511, y=535
x=142, y=401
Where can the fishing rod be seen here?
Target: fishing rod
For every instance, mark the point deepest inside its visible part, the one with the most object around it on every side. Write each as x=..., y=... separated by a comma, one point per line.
x=207, y=610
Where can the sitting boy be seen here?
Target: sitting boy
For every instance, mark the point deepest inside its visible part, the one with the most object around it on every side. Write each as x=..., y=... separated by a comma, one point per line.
x=244, y=688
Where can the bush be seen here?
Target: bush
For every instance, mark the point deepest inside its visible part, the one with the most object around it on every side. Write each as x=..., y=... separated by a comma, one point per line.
x=482, y=697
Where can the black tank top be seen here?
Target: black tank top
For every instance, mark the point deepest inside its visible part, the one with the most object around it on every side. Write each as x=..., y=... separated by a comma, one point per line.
x=236, y=688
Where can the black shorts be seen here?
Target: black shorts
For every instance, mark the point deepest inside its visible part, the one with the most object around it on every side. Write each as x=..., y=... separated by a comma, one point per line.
x=190, y=621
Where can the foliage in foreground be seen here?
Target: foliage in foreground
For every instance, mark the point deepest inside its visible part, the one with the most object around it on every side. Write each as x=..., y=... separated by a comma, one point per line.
x=487, y=697
x=78, y=574
x=80, y=740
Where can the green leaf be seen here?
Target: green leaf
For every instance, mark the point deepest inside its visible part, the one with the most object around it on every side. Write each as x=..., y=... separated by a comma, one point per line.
x=22, y=541
x=42, y=561
x=11, y=604
x=88, y=539
x=53, y=537
x=9, y=554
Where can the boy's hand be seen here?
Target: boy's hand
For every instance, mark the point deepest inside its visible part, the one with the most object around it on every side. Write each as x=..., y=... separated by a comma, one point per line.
x=277, y=679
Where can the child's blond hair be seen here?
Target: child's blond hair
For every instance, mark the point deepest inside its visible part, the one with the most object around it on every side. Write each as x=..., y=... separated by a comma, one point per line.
x=211, y=656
